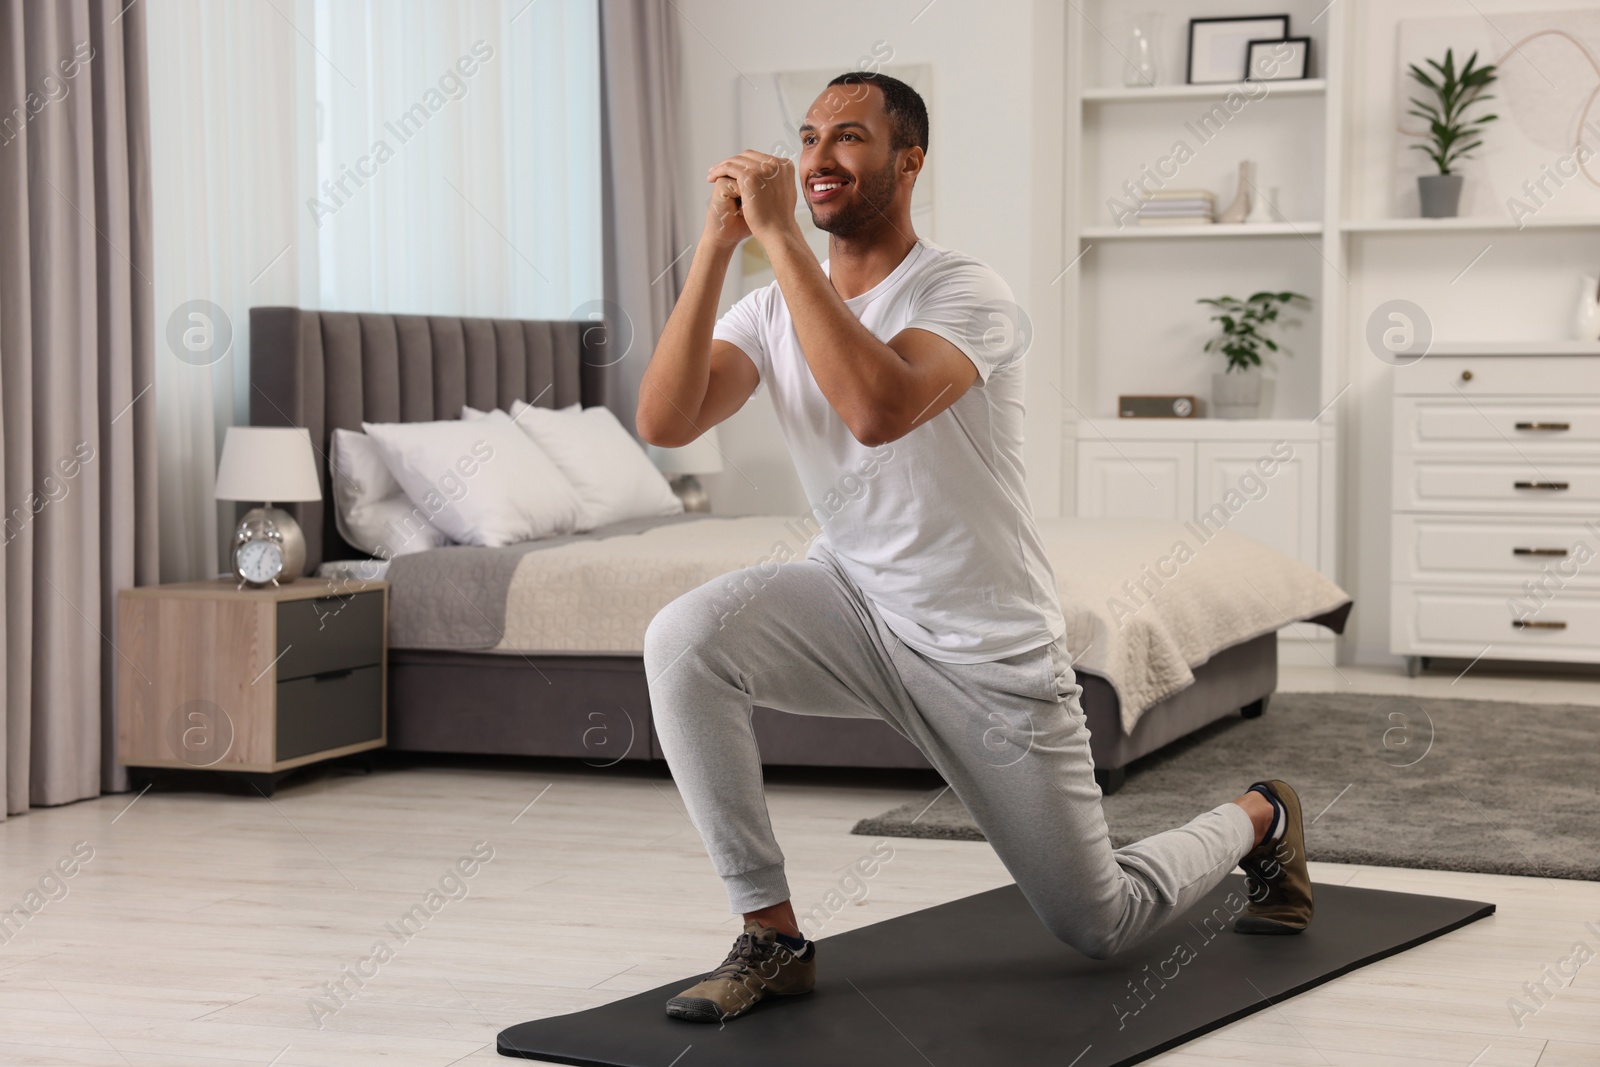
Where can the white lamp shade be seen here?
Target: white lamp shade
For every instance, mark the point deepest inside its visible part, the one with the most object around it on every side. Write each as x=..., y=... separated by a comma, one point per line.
x=270, y=464
x=700, y=456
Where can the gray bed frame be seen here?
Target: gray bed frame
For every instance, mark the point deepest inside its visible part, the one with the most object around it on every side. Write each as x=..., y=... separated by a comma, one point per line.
x=330, y=370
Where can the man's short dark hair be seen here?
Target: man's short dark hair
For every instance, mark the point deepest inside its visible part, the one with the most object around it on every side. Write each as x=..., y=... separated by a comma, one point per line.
x=908, y=115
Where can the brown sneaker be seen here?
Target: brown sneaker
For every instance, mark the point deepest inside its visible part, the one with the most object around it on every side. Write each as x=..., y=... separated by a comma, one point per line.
x=1278, y=884
x=759, y=965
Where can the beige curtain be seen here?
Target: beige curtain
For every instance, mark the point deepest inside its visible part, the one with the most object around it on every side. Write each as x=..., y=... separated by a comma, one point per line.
x=644, y=240
x=77, y=425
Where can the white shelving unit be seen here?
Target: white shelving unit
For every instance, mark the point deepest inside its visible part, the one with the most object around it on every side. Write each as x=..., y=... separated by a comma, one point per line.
x=1133, y=325
x=1118, y=94
x=1253, y=430
x=1488, y=285
x=1485, y=286
x=1203, y=230
x=1468, y=225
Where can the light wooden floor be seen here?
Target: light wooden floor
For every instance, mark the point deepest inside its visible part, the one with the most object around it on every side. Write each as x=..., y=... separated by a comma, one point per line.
x=1475, y=683
x=204, y=923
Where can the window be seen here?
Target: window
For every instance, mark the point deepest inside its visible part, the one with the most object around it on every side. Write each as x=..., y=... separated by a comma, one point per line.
x=457, y=157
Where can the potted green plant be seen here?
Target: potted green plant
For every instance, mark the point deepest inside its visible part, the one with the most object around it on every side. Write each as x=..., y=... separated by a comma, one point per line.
x=1451, y=134
x=1236, y=392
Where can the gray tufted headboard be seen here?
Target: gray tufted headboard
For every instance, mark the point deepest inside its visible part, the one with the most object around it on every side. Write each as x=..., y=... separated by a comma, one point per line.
x=328, y=370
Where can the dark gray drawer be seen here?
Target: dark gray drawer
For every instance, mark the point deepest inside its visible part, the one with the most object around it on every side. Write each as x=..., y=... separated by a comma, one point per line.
x=329, y=711
x=330, y=633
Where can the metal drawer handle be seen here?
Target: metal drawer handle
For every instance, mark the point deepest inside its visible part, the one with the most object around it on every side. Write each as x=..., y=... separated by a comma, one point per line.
x=1553, y=427
x=1557, y=486
x=1532, y=624
x=1538, y=552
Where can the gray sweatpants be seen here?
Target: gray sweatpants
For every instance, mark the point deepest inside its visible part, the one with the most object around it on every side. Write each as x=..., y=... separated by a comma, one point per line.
x=1009, y=736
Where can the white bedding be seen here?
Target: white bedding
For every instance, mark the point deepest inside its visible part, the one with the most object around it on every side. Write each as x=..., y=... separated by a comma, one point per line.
x=1232, y=588
x=600, y=595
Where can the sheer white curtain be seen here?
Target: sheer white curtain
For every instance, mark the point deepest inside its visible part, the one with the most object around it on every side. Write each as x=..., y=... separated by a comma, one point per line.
x=458, y=156
x=230, y=154
x=426, y=156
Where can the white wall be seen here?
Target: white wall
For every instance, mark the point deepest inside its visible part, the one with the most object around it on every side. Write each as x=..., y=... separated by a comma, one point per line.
x=994, y=147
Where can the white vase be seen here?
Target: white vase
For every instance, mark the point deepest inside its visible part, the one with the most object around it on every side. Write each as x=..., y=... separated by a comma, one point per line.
x=1236, y=394
x=1140, y=71
x=1239, y=209
x=1586, y=324
x=1261, y=210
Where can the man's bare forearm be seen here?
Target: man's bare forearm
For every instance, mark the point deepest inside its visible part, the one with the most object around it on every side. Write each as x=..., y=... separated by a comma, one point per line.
x=860, y=375
x=675, y=382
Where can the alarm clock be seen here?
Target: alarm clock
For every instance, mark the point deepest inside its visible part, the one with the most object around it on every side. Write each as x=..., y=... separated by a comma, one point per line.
x=1156, y=407
x=267, y=548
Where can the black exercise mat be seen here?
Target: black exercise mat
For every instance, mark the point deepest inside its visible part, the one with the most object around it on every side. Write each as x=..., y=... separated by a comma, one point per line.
x=979, y=981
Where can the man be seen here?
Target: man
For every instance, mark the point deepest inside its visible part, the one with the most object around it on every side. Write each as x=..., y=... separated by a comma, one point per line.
x=927, y=599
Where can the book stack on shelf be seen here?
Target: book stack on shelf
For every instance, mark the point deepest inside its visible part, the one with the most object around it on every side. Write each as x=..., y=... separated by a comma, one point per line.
x=1177, y=207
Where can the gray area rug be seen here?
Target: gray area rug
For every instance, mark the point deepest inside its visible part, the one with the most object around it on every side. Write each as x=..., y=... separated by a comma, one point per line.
x=1450, y=785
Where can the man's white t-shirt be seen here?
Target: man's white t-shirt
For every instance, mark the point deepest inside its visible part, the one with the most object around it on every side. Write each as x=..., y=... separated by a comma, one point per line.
x=935, y=528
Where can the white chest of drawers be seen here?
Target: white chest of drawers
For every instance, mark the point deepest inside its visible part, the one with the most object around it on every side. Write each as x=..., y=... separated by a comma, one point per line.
x=1496, y=508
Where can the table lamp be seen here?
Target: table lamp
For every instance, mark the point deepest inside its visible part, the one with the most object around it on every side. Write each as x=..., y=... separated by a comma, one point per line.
x=270, y=464
x=681, y=465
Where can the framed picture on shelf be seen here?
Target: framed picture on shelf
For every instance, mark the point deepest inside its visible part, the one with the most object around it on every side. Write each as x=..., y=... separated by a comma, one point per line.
x=1279, y=61
x=1219, y=48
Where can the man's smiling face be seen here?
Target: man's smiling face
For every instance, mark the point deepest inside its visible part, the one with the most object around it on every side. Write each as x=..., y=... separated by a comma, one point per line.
x=847, y=169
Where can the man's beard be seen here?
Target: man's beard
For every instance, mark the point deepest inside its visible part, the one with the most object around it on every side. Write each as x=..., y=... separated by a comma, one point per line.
x=867, y=208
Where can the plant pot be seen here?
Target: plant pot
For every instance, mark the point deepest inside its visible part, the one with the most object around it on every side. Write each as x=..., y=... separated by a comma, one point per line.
x=1440, y=195
x=1236, y=394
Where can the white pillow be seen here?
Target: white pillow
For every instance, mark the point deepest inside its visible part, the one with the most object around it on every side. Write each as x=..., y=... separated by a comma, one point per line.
x=614, y=478
x=369, y=507
x=468, y=412
x=481, y=482
x=472, y=414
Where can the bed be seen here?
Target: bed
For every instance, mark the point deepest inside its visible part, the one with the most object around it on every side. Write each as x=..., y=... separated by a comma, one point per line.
x=535, y=649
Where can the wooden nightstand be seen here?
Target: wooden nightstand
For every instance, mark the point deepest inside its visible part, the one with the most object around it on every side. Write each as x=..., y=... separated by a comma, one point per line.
x=251, y=681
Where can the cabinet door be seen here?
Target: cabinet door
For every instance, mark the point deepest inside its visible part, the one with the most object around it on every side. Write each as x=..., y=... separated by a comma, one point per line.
x=1136, y=479
x=1279, y=511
